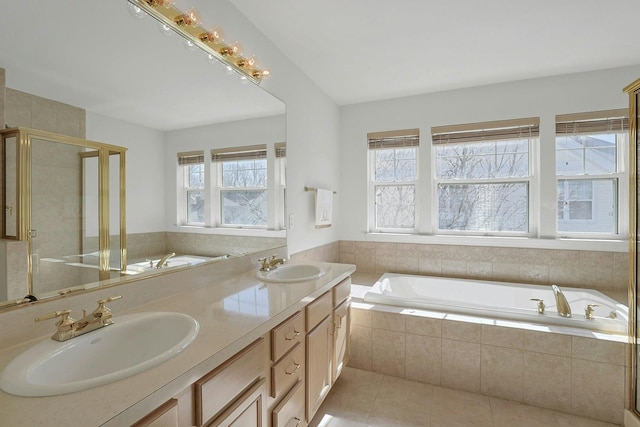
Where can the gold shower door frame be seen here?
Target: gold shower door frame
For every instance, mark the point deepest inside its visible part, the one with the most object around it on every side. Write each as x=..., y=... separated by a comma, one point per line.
x=24, y=137
x=634, y=210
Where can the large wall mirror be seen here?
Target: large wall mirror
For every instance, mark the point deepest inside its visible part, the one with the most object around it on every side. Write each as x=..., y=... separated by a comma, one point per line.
x=93, y=70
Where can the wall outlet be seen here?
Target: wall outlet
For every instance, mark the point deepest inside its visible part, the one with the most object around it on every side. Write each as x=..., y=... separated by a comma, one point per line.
x=290, y=221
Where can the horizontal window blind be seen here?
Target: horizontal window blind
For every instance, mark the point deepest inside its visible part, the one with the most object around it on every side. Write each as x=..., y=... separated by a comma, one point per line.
x=486, y=131
x=281, y=149
x=250, y=152
x=191, y=157
x=394, y=139
x=595, y=122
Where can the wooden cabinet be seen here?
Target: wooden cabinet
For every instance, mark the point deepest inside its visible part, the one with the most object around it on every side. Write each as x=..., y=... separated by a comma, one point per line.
x=245, y=411
x=342, y=322
x=165, y=416
x=231, y=387
x=319, y=359
x=288, y=413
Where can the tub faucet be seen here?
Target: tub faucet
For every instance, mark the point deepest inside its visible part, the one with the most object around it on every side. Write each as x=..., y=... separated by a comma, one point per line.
x=163, y=260
x=564, y=309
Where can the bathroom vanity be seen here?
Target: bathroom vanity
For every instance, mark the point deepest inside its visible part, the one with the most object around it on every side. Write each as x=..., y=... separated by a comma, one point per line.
x=266, y=354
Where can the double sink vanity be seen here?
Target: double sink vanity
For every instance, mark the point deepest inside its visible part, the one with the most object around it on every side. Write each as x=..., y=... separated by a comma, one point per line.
x=251, y=348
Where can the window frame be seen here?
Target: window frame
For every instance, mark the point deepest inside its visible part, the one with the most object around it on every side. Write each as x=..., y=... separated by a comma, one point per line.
x=185, y=160
x=621, y=175
x=372, y=184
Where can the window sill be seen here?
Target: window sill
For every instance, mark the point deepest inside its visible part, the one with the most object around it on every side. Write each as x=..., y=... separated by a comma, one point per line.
x=248, y=232
x=506, y=242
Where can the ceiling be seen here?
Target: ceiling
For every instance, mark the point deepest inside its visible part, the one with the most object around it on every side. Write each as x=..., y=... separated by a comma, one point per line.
x=355, y=51
x=364, y=50
x=122, y=67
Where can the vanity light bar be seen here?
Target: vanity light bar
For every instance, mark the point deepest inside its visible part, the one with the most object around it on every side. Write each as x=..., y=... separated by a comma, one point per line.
x=188, y=25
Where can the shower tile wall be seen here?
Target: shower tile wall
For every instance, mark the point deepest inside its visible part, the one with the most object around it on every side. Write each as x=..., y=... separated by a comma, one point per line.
x=606, y=271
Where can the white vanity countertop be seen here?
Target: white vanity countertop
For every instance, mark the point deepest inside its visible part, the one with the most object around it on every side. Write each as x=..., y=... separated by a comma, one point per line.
x=232, y=313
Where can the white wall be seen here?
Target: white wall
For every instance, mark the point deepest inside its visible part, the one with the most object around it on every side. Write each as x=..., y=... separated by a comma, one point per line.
x=312, y=127
x=266, y=130
x=145, y=167
x=543, y=97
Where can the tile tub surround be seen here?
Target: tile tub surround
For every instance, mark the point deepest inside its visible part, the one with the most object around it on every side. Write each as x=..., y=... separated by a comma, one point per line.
x=603, y=271
x=367, y=399
x=223, y=332
x=566, y=373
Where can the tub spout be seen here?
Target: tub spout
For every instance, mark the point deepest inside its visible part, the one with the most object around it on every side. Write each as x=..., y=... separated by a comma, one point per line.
x=564, y=309
x=163, y=260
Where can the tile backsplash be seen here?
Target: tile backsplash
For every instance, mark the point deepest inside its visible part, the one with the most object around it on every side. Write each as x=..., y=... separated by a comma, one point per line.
x=607, y=271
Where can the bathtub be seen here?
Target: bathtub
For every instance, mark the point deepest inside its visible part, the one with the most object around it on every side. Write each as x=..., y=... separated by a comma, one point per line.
x=498, y=300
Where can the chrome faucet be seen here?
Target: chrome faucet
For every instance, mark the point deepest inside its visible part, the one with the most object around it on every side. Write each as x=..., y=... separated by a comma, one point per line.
x=269, y=264
x=163, y=260
x=69, y=328
x=564, y=309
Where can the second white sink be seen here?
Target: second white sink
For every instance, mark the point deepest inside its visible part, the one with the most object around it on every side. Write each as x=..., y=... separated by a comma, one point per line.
x=291, y=273
x=131, y=345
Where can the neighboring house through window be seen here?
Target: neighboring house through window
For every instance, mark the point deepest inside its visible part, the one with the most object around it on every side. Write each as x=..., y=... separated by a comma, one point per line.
x=589, y=171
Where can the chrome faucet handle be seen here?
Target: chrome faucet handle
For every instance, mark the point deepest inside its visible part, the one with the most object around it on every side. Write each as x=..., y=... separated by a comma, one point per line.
x=64, y=324
x=541, y=305
x=589, y=311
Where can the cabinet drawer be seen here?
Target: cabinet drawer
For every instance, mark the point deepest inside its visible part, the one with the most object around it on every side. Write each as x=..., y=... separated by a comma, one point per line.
x=217, y=389
x=165, y=416
x=318, y=310
x=341, y=291
x=288, y=371
x=290, y=412
x=286, y=335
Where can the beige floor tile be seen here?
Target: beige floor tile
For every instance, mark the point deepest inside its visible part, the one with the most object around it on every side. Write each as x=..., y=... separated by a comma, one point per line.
x=460, y=408
x=511, y=414
x=365, y=399
x=390, y=415
x=410, y=395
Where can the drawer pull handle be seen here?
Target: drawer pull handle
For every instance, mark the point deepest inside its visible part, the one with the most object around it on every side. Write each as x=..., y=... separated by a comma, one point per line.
x=296, y=367
x=297, y=420
x=296, y=334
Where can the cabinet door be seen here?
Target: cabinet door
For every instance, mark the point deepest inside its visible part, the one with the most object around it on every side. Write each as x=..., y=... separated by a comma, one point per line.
x=247, y=411
x=319, y=361
x=342, y=322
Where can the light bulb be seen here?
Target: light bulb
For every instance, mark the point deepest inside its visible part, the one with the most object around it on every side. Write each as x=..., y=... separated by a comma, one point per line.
x=214, y=35
x=211, y=58
x=246, y=62
x=231, y=50
x=136, y=11
x=165, y=29
x=190, y=18
x=190, y=45
x=164, y=3
x=229, y=69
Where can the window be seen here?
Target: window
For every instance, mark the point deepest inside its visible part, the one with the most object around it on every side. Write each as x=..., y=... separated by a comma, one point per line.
x=191, y=182
x=588, y=171
x=242, y=185
x=393, y=173
x=483, y=176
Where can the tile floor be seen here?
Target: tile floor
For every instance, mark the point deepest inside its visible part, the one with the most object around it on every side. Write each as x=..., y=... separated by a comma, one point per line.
x=367, y=399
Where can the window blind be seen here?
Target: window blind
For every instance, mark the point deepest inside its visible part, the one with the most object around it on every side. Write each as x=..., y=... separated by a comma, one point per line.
x=486, y=131
x=394, y=139
x=250, y=152
x=281, y=149
x=595, y=122
x=191, y=157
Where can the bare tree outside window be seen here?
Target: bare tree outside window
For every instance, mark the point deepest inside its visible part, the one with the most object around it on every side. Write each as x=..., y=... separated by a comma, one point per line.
x=195, y=193
x=395, y=173
x=483, y=186
x=243, y=195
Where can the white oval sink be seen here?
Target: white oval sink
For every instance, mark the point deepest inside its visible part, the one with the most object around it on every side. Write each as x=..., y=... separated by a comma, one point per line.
x=131, y=345
x=291, y=273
